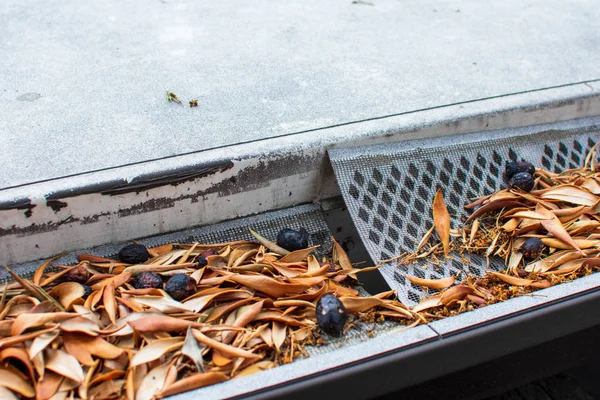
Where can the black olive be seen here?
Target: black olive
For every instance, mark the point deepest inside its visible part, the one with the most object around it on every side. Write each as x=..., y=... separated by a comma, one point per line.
x=201, y=259
x=513, y=167
x=87, y=291
x=147, y=280
x=134, y=254
x=532, y=248
x=180, y=286
x=78, y=274
x=522, y=180
x=292, y=240
x=331, y=315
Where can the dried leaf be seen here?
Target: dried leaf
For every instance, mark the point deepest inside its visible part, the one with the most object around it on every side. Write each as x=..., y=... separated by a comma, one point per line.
x=279, y=333
x=511, y=280
x=339, y=255
x=223, y=348
x=268, y=244
x=27, y=321
x=41, y=342
x=192, y=382
x=64, y=364
x=67, y=292
x=298, y=255
x=257, y=367
x=428, y=303
x=156, y=349
x=15, y=383
x=153, y=383
x=570, y=194
x=432, y=283
x=192, y=350
x=458, y=292
x=555, y=227
x=441, y=220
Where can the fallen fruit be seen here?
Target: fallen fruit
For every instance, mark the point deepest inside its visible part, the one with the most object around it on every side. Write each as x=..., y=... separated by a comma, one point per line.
x=78, y=274
x=522, y=180
x=292, y=240
x=134, y=254
x=180, y=286
x=532, y=248
x=331, y=315
x=513, y=167
x=147, y=280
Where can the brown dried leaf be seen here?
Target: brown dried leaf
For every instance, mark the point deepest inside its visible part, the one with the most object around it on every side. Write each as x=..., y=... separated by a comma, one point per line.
x=192, y=382
x=511, y=280
x=555, y=227
x=298, y=255
x=441, y=220
x=458, y=292
x=223, y=348
x=64, y=364
x=156, y=350
x=41, y=342
x=254, y=368
x=27, y=321
x=15, y=383
x=268, y=285
x=279, y=333
x=110, y=304
x=427, y=303
x=67, y=292
x=432, y=283
x=192, y=350
x=339, y=255
x=161, y=324
x=153, y=383
x=570, y=194
x=268, y=244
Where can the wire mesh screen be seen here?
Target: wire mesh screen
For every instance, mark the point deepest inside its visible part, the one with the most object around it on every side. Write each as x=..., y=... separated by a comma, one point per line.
x=268, y=224
x=389, y=190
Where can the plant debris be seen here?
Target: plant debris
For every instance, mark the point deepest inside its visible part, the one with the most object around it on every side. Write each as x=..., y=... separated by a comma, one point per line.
x=235, y=308
x=193, y=103
x=172, y=97
x=545, y=226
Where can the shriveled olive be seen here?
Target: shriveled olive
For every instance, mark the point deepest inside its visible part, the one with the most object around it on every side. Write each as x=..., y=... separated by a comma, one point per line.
x=180, y=286
x=147, y=280
x=331, y=315
x=134, y=254
x=532, y=248
x=523, y=181
x=292, y=240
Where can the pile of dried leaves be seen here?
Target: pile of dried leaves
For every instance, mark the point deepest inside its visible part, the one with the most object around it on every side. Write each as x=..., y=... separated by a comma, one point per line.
x=546, y=236
x=254, y=308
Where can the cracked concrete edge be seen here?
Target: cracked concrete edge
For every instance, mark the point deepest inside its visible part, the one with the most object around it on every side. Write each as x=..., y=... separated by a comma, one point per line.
x=140, y=200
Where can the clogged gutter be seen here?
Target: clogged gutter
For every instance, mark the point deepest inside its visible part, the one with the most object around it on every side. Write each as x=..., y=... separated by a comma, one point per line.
x=545, y=226
x=173, y=318
x=169, y=319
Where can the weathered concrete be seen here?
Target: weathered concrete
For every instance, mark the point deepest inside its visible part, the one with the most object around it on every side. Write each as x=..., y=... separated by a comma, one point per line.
x=82, y=86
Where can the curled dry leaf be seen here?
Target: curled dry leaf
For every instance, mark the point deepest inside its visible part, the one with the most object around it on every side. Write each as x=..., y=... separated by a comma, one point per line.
x=441, y=220
x=432, y=283
x=156, y=350
x=192, y=382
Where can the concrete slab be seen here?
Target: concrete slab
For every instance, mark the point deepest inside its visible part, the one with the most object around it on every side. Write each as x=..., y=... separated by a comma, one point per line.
x=82, y=87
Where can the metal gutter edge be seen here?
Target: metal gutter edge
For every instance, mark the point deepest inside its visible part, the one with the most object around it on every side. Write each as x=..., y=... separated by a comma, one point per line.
x=195, y=189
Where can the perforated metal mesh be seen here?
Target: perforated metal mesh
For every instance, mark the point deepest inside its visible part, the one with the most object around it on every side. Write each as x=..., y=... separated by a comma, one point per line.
x=268, y=224
x=389, y=190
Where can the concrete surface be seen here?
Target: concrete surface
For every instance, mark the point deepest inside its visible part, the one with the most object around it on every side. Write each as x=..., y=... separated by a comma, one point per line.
x=83, y=85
